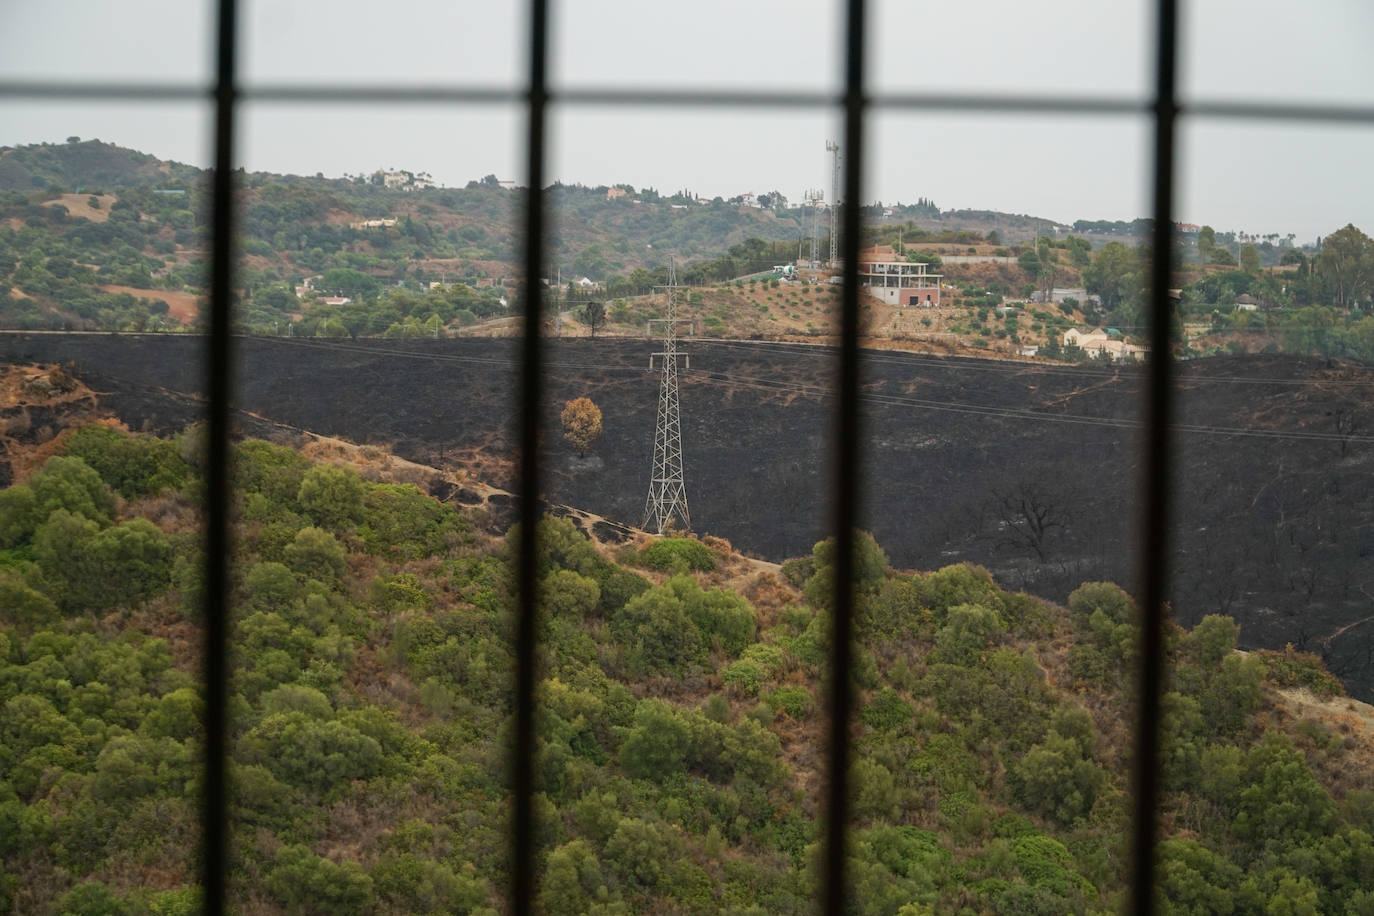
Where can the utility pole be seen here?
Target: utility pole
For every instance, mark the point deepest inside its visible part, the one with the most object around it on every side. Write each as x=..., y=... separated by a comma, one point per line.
x=834, y=149
x=814, y=196
x=667, y=488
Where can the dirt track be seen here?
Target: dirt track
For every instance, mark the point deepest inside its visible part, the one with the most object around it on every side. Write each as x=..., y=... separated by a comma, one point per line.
x=1028, y=470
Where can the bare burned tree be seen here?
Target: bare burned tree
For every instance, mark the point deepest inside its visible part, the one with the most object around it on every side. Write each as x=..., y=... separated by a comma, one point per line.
x=1347, y=424
x=594, y=316
x=1028, y=517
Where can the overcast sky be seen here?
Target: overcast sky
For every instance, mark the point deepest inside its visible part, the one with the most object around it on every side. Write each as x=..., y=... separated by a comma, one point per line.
x=1256, y=177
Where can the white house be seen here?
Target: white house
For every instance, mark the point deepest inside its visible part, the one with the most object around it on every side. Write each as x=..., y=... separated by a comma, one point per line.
x=1101, y=344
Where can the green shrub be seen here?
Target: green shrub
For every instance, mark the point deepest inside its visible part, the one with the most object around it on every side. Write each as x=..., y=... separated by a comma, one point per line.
x=658, y=635
x=678, y=555
x=719, y=615
x=798, y=571
x=769, y=658
x=1055, y=781
x=131, y=465
x=1291, y=668
x=272, y=470
x=307, y=883
x=398, y=520
x=331, y=497
x=92, y=569
x=1106, y=597
x=69, y=483
x=968, y=631
x=963, y=583
x=886, y=711
x=21, y=604
x=92, y=899
x=745, y=676
x=316, y=554
x=795, y=701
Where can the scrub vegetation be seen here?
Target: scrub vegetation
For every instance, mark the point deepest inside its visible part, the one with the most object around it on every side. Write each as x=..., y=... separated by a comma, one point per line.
x=679, y=739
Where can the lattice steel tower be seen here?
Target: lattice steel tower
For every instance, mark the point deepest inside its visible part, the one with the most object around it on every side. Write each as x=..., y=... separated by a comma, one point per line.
x=667, y=488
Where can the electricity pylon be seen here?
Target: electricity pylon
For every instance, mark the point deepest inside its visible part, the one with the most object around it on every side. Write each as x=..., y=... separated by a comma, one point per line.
x=667, y=488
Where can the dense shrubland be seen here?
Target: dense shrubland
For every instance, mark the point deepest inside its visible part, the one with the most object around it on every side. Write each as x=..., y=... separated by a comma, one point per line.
x=679, y=734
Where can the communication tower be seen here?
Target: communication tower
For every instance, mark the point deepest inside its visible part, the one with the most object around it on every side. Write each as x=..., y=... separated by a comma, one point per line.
x=834, y=149
x=814, y=196
x=667, y=488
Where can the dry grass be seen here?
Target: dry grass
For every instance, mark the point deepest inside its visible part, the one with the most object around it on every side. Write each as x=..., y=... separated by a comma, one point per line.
x=25, y=447
x=79, y=206
x=1349, y=759
x=181, y=304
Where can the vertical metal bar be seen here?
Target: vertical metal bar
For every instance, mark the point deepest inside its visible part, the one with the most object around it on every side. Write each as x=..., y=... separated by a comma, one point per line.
x=522, y=889
x=846, y=485
x=1155, y=540
x=219, y=364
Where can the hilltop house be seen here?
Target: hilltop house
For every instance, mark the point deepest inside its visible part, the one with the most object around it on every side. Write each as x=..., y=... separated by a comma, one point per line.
x=1103, y=344
x=888, y=276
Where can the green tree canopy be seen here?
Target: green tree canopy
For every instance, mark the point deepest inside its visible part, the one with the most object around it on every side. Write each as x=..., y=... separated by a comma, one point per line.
x=331, y=497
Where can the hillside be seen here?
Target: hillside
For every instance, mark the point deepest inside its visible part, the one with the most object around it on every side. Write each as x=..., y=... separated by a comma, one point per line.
x=1026, y=469
x=85, y=166
x=96, y=237
x=679, y=743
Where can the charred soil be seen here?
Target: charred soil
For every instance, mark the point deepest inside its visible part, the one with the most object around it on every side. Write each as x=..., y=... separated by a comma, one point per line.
x=1027, y=469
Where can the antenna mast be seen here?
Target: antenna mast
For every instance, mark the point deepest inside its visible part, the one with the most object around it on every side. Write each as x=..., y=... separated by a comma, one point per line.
x=667, y=488
x=834, y=149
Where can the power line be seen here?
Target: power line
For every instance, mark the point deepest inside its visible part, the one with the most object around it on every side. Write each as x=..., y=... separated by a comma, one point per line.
x=984, y=364
x=821, y=391
x=1013, y=413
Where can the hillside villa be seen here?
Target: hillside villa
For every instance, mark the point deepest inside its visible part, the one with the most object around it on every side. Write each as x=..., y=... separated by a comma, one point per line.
x=889, y=277
x=1102, y=344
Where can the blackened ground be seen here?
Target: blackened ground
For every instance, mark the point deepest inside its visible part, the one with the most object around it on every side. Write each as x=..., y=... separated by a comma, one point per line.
x=1027, y=469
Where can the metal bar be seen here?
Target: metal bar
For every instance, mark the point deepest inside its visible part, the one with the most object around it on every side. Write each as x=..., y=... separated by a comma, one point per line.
x=108, y=91
x=1278, y=111
x=371, y=94
x=219, y=365
x=522, y=887
x=974, y=103
x=1154, y=568
x=846, y=486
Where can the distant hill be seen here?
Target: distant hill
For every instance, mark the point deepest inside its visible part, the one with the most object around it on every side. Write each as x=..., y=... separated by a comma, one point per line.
x=94, y=236
x=85, y=165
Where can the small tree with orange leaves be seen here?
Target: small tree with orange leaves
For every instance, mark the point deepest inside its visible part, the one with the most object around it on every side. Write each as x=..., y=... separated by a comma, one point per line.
x=581, y=424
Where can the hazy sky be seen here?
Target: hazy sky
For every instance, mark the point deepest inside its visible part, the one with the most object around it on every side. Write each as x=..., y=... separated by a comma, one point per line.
x=1256, y=177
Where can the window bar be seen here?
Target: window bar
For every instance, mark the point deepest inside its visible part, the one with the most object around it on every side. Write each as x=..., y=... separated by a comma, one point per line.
x=1155, y=542
x=846, y=473
x=219, y=365
x=522, y=885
